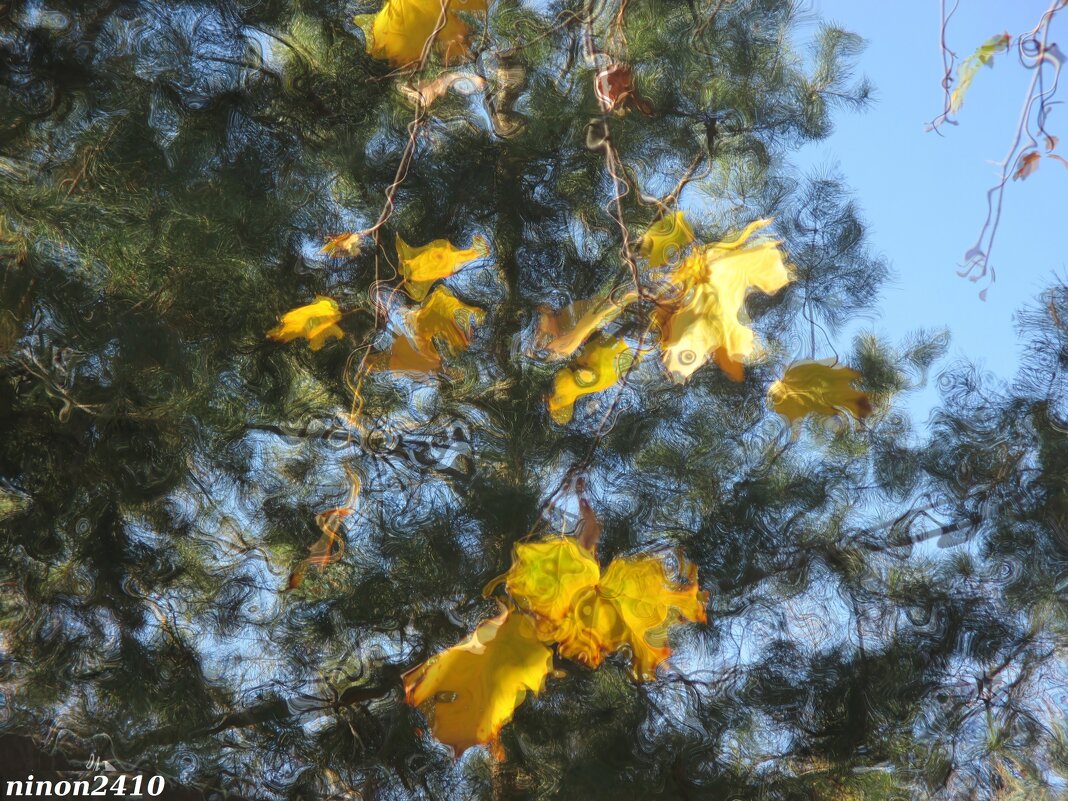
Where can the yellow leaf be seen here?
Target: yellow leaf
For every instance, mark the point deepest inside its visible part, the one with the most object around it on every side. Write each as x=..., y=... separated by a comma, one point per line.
x=706, y=318
x=648, y=603
x=665, y=240
x=347, y=244
x=545, y=576
x=401, y=28
x=445, y=319
x=441, y=322
x=422, y=266
x=471, y=690
x=316, y=322
x=561, y=333
x=969, y=68
x=814, y=387
x=633, y=604
x=597, y=367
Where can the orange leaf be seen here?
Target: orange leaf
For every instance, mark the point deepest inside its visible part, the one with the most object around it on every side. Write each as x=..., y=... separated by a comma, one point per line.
x=471, y=690
x=422, y=266
x=1027, y=164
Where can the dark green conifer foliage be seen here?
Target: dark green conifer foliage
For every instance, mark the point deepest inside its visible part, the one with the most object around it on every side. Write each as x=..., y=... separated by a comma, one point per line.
x=168, y=172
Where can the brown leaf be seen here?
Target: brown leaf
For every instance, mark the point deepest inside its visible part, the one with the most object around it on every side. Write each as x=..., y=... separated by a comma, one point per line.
x=1027, y=164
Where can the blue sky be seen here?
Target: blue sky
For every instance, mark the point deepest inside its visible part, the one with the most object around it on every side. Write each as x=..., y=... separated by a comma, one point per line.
x=924, y=196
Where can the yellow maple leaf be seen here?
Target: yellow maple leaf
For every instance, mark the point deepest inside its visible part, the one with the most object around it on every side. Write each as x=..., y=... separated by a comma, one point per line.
x=347, y=244
x=471, y=690
x=546, y=575
x=600, y=365
x=818, y=387
x=665, y=240
x=422, y=266
x=563, y=332
x=399, y=31
x=316, y=322
x=705, y=318
x=590, y=615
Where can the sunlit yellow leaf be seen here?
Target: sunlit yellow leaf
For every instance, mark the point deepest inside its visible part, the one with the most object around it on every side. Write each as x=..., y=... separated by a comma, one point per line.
x=563, y=332
x=649, y=602
x=347, y=244
x=444, y=319
x=814, y=387
x=441, y=324
x=546, y=575
x=399, y=31
x=471, y=690
x=969, y=68
x=705, y=317
x=665, y=240
x=590, y=615
x=598, y=366
x=316, y=322
x=422, y=266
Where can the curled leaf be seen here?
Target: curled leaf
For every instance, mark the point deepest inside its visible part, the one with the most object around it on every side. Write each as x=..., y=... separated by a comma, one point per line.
x=665, y=240
x=471, y=690
x=347, y=244
x=316, y=322
x=969, y=68
x=426, y=92
x=563, y=332
x=1027, y=164
x=706, y=318
x=822, y=388
x=330, y=547
x=616, y=92
x=400, y=30
x=422, y=266
x=600, y=365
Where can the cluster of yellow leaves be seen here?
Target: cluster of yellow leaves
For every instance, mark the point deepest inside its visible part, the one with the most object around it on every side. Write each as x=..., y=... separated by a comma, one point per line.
x=400, y=30
x=316, y=322
x=699, y=310
x=562, y=598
